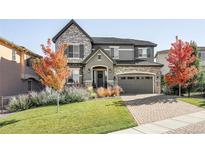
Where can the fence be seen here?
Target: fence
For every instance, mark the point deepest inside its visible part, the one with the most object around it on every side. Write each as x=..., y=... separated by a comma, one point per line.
x=3, y=104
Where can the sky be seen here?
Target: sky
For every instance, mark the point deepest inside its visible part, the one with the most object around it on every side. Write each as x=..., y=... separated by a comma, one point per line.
x=31, y=33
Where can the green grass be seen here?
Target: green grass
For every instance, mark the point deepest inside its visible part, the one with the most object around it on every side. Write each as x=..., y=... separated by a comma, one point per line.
x=195, y=101
x=94, y=116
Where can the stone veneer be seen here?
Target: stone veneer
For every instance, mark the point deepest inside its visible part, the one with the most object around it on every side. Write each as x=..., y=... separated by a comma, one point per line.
x=74, y=35
x=131, y=69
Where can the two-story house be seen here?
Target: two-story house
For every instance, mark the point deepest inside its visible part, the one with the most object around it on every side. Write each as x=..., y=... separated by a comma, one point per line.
x=105, y=61
x=161, y=57
x=16, y=73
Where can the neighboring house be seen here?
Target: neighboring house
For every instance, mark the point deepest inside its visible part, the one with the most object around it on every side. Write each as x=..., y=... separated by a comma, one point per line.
x=161, y=57
x=107, y=61
x=16, y=73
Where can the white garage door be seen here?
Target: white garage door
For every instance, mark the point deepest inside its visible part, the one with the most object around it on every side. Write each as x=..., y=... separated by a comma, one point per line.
x=136, y=84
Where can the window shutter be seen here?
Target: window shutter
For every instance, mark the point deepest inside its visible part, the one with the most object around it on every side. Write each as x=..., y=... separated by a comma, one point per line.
x=81, y=51
x=112, y=52
x=149, y=53
x=70, y=51
x=66, y=51
x=136, y=53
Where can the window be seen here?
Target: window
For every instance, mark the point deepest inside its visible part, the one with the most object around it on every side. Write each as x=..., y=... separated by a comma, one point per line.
x=148, y=77
x=29, y=85
x=99, y=57
x=142, y=53
x=123, y=78
x=13, y=55
x=114, y=52
x=130, y=78
x=28, y=62
x=137, y=77
x=75, y=51
x=75, y=75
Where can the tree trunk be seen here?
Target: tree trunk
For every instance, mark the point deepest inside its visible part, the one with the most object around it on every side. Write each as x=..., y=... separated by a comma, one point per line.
x=180, y=89
x=189, y=91
x=58, y=106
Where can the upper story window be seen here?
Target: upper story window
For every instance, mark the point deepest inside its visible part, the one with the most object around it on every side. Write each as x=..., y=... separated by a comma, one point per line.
x=114, y=52
x=13, y=55
x=75, y=51
x=144, y=52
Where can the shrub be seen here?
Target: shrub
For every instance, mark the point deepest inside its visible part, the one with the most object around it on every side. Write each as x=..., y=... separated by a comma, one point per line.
x=19, y=103
x=101, y=92
x=117, y=90
x=73, y=94
x=108, y=92
x=91, y=92
x=47, y=97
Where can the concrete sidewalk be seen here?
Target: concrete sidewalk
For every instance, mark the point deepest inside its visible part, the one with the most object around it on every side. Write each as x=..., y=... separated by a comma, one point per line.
x=167, y=125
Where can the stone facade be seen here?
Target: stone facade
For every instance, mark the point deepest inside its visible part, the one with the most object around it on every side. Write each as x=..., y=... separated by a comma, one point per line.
x=73, y=35
x=155, y=71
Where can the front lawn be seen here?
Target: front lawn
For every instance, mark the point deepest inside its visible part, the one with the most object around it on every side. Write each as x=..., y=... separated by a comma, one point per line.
x=94, y=116
x=195, y=101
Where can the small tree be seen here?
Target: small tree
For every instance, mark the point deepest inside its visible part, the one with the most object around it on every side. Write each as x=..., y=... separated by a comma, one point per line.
x=52, y=68
x=180, y=58
x=201, y=81
x=192, y=82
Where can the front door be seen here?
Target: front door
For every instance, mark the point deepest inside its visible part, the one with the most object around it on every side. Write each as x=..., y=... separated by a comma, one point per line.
x=100, y=82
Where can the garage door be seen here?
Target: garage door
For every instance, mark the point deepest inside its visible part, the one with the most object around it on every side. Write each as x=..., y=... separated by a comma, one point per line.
x=136, y=84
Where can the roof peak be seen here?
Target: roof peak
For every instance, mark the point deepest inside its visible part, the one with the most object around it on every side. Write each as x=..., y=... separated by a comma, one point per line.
x=72, y=21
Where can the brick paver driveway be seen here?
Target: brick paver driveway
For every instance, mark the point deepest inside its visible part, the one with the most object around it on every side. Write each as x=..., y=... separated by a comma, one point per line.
x=152, y=107
x=198, y=128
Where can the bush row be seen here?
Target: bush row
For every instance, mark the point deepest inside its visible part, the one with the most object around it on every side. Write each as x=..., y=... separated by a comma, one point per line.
x=48, y=97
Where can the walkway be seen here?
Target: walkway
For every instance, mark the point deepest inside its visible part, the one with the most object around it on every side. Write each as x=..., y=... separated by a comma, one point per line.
x=189, y=123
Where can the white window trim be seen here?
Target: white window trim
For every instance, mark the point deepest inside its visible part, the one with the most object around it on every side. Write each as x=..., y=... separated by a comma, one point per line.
x=75, y=44
x=116, y=54
x=143, y=55
x=75, y=69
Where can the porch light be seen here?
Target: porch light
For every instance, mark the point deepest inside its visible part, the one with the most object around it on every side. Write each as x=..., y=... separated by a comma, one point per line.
x=110, y=70
x=89, y=70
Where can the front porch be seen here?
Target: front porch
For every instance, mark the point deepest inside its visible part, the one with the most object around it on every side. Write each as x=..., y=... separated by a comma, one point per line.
x=99, y=76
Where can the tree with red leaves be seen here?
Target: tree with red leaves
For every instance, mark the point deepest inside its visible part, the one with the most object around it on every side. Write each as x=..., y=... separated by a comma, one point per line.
x=52, y=68
x=180, y=58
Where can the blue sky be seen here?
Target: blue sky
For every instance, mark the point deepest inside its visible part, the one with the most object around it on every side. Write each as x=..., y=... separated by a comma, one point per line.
x=32, y=33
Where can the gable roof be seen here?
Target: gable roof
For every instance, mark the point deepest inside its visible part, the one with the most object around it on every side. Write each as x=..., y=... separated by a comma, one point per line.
x=123, y=41
x=66, y=27
x=17, y=47
x=93, y=53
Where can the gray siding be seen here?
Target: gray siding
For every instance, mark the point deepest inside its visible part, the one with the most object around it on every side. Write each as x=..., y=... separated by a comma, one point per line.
x=95, y=62
x=151, y=58
x=130, y=54
x=123, y=53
